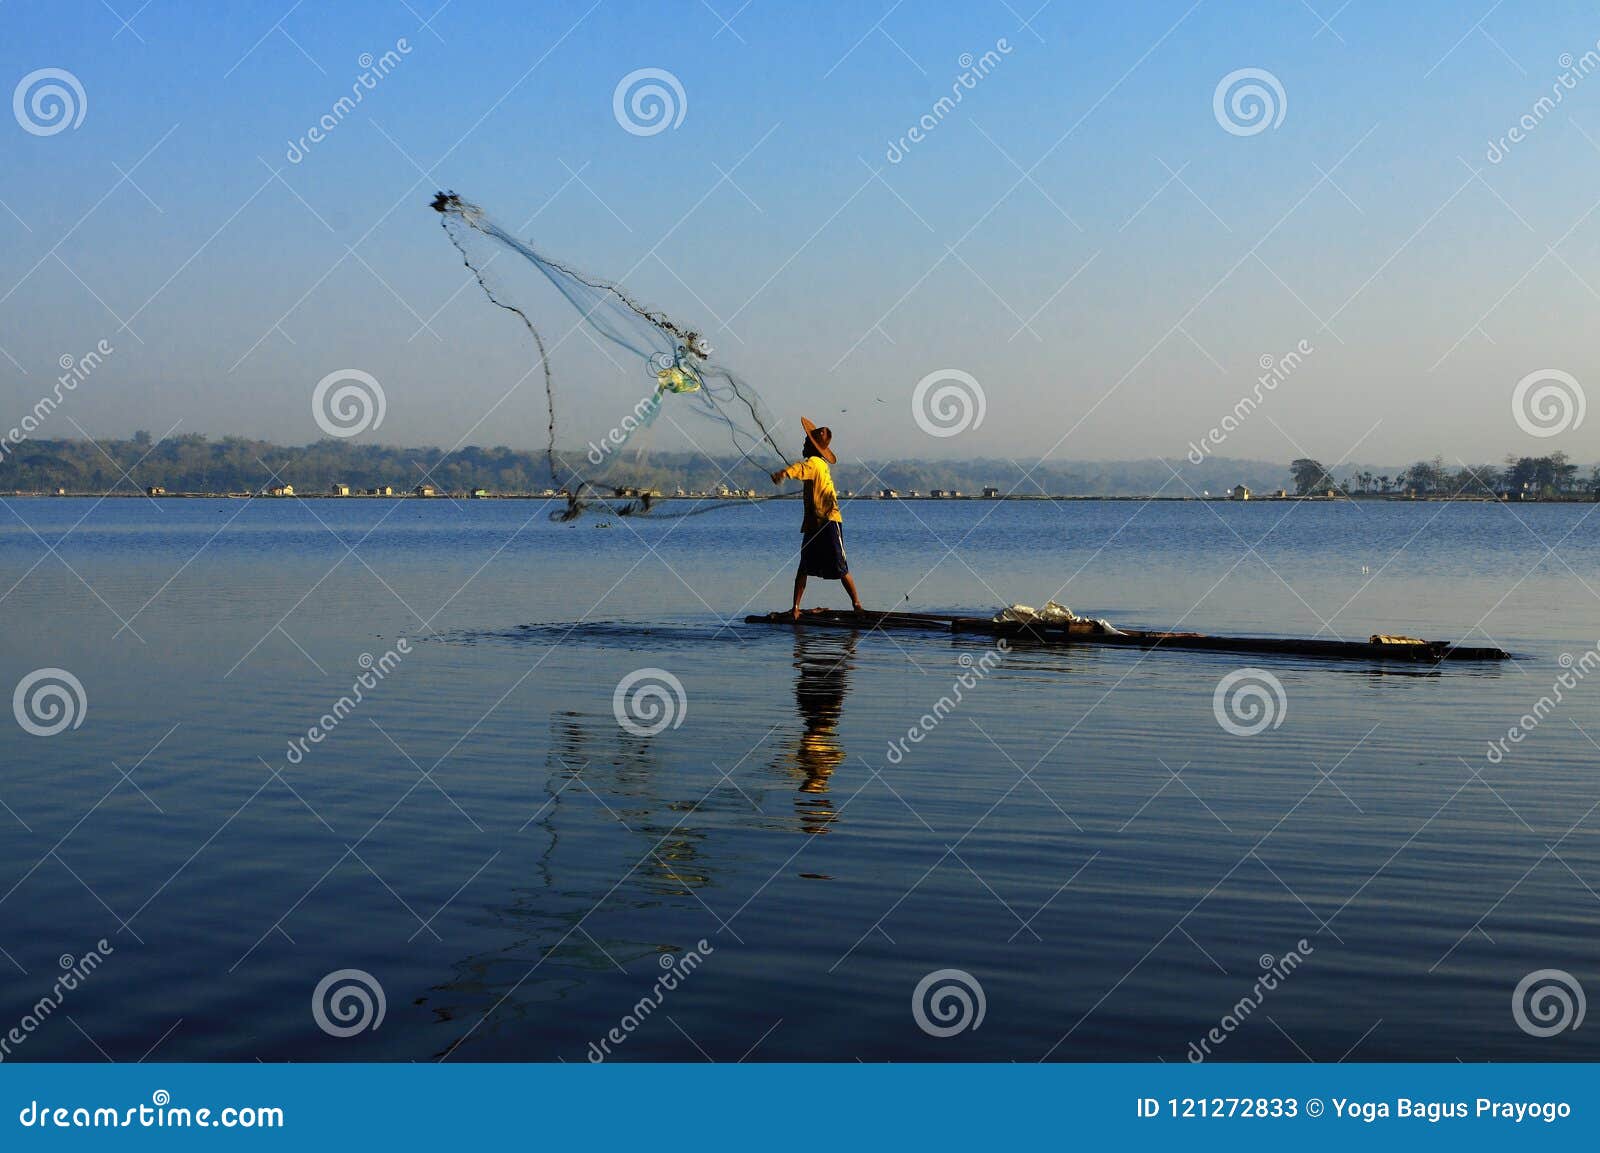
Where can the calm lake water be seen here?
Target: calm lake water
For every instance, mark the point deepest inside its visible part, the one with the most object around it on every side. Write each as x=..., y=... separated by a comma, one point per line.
x=517, y=871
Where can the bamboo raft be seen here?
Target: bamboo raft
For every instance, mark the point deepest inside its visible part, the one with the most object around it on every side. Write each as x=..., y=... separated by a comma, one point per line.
x=1087, y=632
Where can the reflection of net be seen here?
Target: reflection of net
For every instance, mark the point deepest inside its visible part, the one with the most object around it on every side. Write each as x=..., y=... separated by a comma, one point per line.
x=664, y=369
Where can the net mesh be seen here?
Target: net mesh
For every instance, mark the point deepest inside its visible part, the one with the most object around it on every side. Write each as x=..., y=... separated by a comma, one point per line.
x=640, y=380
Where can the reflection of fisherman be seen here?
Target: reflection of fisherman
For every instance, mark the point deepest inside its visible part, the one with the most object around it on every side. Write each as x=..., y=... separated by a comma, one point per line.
x=823, y=666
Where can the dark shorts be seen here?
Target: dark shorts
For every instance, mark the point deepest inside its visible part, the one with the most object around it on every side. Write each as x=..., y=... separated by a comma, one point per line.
x=822, y=552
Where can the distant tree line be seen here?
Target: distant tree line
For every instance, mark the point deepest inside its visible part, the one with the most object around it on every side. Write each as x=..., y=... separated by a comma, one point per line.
x=194, y=463
x=1520, y=476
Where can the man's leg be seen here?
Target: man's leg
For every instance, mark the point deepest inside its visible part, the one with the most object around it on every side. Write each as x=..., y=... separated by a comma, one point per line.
x=799, y=590
x=850, y=587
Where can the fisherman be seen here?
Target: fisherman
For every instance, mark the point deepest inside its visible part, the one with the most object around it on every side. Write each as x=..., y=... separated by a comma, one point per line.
x=822, y=530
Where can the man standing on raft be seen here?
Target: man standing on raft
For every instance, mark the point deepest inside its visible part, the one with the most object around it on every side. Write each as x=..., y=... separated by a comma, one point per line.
x=822, y=539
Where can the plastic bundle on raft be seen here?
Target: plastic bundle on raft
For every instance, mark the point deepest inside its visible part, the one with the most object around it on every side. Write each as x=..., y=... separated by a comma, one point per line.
x=1053, y=613
x=634, y=366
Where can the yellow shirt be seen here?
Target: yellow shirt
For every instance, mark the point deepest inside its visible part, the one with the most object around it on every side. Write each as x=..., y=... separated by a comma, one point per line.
x=822, y=499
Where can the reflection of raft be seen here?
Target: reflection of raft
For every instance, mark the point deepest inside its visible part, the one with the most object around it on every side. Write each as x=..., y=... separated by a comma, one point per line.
x=1085, y=632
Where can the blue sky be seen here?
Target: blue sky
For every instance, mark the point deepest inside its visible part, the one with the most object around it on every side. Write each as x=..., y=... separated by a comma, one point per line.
x=1037, y=238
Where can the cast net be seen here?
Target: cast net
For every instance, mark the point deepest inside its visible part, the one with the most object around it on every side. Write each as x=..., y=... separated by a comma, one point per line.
x=637, y=404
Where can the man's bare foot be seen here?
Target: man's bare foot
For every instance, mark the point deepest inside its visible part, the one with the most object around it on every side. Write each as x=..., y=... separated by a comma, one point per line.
x=795, y=612
x=856, y=608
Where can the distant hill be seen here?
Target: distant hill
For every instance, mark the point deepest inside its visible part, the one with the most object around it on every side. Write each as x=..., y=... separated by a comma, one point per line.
x=193, y=463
